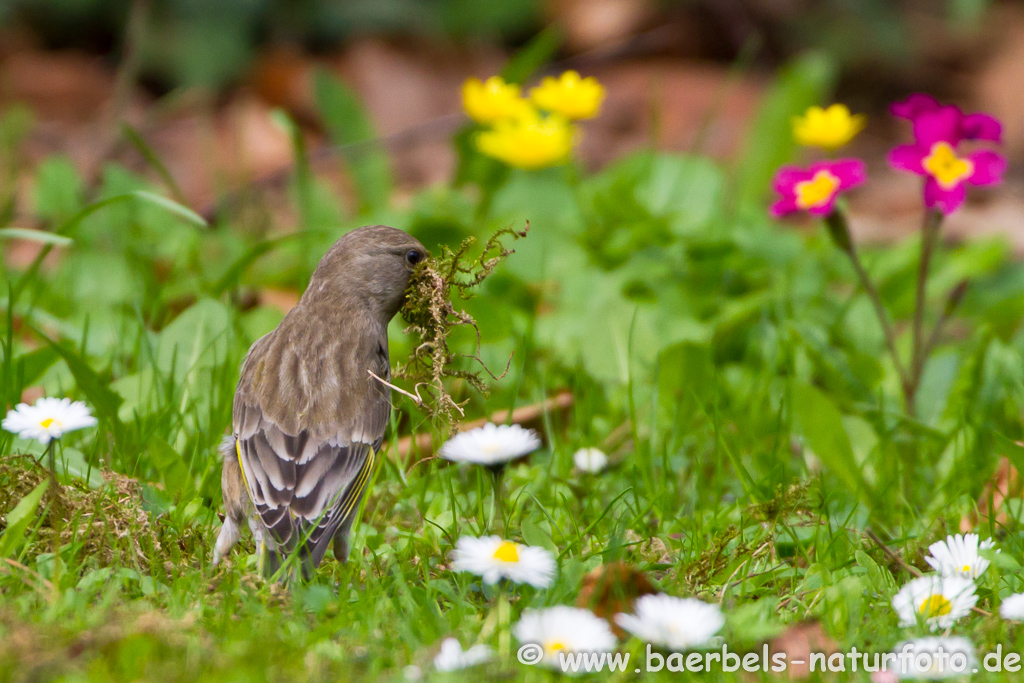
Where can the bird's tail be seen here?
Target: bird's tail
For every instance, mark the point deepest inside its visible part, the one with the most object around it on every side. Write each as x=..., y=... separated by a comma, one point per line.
x=286, y=566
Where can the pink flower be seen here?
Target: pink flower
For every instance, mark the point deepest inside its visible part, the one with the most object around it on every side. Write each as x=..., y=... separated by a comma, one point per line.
x=937, y=132
x=815, y=188
x=969, y=127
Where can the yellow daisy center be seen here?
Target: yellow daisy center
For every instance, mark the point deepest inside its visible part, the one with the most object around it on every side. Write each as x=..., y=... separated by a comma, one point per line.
x=935, y=606
x=507, y=552
x=817, y=191
x=47, y=422
x=553, y=646
x=946, y=167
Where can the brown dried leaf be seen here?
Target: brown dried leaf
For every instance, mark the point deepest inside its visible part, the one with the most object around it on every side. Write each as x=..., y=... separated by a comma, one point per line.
x=1004, y=484
x=798, y=642
x=612, y=588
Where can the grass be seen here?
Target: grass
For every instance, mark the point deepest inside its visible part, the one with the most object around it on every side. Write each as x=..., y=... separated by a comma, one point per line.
x=730, y=366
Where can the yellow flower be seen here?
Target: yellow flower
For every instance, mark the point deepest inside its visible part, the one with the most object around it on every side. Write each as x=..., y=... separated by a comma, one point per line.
x=569, y=95
x=528, y=142
x=829, y=128
x=493, y=100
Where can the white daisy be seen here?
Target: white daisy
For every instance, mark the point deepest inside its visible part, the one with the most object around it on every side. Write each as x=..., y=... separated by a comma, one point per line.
x=590, y=460
x=49, y=418
x=490, y=445
x=958, y=556
x=563, y=630
x=933, y=658
x=672, y=623
x=1012, y=607
x=452, y=657
x=493, y=559
x=936, y=600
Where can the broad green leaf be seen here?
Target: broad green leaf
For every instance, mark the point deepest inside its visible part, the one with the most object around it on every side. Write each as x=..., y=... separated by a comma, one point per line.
x=686, y=190
x=350, y=128
x=18, y=520
x=821, y=424
x=533, y=534
x=29, y=367
x=685, y=378
x=880, y=577
x=59, y=189
x=196, y=338
x=168, y=463
x=96, y=389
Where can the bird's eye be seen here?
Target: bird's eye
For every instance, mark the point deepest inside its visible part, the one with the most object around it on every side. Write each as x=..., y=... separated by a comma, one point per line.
x=413, y=257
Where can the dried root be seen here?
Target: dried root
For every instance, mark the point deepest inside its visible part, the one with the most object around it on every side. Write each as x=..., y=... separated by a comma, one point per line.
x=431, y=316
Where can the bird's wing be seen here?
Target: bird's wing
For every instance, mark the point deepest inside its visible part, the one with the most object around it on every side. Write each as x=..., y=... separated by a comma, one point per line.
x=305, y=485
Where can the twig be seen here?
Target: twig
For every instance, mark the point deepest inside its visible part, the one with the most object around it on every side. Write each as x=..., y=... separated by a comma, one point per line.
x=893, y=556
x=534, y=413
x=415, y=397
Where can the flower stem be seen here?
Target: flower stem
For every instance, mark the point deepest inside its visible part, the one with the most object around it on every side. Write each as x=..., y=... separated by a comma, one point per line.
x=929, y=238
x=498, y=509
x=504, y=624
x=51, y=460
x=839, y=231
x=952, y=301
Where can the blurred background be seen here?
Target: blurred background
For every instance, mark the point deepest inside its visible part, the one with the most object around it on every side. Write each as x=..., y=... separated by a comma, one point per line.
x=197, y=79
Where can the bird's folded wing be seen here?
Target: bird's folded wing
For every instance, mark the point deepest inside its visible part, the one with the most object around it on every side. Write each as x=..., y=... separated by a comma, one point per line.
x=303, y=489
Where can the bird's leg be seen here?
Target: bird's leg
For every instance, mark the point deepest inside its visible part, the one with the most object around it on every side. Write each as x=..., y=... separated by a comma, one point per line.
x=227, y=538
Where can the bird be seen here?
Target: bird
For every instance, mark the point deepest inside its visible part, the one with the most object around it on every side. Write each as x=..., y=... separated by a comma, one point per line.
x=313, y=404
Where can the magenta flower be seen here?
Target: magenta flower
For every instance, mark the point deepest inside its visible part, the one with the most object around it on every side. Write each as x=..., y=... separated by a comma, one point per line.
x=969, y=127
x=937, y=132
x=815, y=188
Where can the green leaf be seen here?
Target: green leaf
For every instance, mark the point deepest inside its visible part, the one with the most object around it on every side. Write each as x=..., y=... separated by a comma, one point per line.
x=72, y=465
x=880, y=578
x=533, y=55
x=686, y=376
x=169, y=464
x=172, y=206
x=196, y=338
x=40, y=236
x=769, y=144
x=533, y=534
x=19, y=519
x=96, y=389
x=234, y=272
x=31, y=366
x=821, y=423
x=350, y=128
x=153, y=159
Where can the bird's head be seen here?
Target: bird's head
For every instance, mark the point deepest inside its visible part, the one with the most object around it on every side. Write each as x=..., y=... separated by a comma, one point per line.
x=370, y=267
